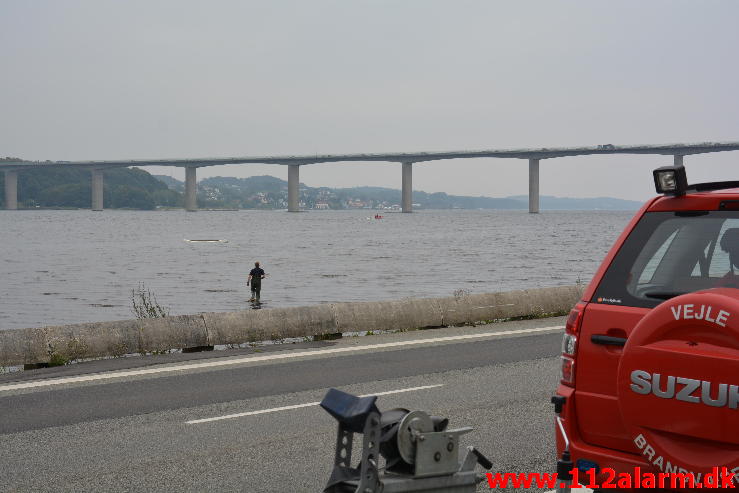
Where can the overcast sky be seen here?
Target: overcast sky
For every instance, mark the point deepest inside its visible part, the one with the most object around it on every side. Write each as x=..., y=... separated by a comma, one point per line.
x=103, y=79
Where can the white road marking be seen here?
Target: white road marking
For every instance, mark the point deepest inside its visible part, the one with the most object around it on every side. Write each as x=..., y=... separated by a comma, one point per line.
x=268, y=357
x=298, y=406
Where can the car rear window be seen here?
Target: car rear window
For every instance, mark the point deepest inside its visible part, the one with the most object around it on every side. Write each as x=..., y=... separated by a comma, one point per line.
x=672, y=253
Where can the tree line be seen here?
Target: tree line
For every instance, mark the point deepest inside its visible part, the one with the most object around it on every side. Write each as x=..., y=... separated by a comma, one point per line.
x=123, y=188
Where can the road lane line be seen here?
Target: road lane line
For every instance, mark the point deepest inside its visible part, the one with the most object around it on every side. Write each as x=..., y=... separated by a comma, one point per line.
x=298, y=406
x=268, y=357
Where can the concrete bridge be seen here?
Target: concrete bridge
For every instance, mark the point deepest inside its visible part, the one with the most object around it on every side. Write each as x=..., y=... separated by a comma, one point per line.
x=293, y=163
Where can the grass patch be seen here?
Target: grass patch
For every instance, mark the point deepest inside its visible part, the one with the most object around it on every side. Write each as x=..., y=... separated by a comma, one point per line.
x=57, y=360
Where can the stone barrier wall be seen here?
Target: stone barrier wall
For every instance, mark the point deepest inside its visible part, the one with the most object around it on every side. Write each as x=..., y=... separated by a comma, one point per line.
x=103, y=339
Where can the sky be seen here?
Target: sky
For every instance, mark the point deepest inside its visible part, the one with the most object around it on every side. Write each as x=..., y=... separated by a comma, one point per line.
x=107, y=79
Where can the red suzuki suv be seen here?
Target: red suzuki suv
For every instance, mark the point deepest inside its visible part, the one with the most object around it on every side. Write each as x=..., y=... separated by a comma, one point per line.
x=650, y=356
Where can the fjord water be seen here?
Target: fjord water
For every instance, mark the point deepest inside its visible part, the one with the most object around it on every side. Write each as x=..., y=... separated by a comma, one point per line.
x=60, y=267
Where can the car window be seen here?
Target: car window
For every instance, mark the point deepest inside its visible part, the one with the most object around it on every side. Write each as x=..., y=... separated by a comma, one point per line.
x=668, y=254
x=651, y=267
x=719, y=264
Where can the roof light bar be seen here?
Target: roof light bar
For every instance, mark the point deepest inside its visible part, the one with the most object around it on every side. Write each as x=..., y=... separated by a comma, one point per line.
x=671, y=180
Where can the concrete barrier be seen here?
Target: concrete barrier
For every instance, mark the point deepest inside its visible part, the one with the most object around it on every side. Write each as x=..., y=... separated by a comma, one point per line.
x=495, y=306
x=23, y=346
x=387, y=315
x=58, y=344
x=263, y=325
x=176, y=332
x=91, y=340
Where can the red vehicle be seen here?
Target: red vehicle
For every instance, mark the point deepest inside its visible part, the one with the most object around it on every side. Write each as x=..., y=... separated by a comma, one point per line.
x=650, y=356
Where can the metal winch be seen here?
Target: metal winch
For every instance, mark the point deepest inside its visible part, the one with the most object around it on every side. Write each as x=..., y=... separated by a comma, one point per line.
x=419, y=452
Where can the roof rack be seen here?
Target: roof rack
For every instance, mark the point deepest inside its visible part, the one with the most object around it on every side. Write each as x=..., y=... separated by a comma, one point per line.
x=714, y=185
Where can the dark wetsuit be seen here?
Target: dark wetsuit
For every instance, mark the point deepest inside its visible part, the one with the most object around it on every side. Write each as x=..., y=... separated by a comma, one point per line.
x=256, y=281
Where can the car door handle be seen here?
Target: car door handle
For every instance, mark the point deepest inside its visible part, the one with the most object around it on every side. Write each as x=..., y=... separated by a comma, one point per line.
x=607, y=340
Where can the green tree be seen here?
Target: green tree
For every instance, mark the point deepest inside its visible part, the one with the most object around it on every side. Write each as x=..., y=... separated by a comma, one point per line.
x=67, y=195
x=62, y=186
x=128, y=197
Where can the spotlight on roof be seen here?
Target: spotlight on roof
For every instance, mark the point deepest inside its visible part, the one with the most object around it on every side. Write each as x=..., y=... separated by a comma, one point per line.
x=671, y=180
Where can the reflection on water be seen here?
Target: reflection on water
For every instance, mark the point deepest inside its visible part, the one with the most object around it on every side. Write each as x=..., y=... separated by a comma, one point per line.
x=61, y=267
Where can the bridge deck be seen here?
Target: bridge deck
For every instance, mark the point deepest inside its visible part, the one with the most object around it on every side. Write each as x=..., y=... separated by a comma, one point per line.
x=402, y=157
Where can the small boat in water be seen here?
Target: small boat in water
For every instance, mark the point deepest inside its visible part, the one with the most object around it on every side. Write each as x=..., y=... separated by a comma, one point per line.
x=206, y=241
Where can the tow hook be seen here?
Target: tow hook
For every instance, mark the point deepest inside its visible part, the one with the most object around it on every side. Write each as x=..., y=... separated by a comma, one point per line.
x=564, y=463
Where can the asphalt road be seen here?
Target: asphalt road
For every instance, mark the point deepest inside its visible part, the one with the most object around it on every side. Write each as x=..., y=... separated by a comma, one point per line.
x=90, y=427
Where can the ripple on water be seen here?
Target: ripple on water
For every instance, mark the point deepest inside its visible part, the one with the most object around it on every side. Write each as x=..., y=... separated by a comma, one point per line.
x=61, y=266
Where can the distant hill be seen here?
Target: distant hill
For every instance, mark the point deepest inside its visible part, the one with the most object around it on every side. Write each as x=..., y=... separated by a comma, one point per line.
x=590, y=204
x=438, y=200
x=131, y=188
x=269, y=192
x=135, y=188
x=172, y=183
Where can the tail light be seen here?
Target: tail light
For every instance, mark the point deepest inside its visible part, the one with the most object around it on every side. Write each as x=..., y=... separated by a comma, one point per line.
x=569, y=344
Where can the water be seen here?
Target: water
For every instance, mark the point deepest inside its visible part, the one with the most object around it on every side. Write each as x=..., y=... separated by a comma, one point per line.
x=60, y=267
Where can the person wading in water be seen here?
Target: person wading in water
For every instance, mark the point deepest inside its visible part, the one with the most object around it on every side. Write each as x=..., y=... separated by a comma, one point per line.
x=255, y=278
